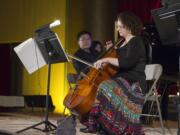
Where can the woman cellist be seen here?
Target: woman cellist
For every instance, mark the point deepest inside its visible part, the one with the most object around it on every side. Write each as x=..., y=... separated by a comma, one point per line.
x=119, y=100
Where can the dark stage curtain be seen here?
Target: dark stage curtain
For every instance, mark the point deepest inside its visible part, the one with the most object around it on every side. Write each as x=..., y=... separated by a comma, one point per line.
x=5, y=70
x=141, y=8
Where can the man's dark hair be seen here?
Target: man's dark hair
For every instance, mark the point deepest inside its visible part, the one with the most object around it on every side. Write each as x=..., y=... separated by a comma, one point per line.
x=130, y=22
x=83, y=33
x=95, y=43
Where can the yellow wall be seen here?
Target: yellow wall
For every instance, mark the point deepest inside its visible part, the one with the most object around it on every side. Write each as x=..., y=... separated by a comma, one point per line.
x=76, y=23
x=19, y=19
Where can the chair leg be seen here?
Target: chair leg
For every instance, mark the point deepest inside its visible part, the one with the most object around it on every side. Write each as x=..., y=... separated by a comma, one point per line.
x=151, y=107
x=150, y=112
x=160, y=115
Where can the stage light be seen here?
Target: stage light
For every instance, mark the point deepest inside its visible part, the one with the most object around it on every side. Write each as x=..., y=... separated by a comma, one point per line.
x=55, y=23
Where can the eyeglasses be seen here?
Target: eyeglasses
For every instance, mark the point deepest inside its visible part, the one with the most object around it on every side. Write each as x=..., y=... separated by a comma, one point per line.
x=84, y=39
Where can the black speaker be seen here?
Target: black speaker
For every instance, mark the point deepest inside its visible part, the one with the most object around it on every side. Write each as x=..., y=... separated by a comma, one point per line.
x=38, y=101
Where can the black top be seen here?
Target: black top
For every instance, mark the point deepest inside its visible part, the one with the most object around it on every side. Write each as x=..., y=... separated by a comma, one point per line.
x=88, y=57
x=132, y=61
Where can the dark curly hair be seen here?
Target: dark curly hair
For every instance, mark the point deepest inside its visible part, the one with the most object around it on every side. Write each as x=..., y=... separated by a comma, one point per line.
x=130, y=22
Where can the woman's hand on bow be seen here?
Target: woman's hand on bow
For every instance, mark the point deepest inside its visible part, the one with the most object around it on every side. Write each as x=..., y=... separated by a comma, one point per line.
x=100, y=63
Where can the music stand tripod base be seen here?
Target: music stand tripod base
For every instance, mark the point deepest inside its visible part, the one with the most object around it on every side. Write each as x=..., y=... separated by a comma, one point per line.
x=48, y=125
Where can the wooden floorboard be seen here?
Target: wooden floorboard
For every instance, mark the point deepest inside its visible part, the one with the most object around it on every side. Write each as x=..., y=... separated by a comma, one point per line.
x=13, y=122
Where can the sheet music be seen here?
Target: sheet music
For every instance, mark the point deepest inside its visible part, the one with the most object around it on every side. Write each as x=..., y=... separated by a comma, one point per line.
x=30, y=55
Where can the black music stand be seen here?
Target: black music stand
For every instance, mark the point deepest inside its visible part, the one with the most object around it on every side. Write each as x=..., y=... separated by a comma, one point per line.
x=52, y=51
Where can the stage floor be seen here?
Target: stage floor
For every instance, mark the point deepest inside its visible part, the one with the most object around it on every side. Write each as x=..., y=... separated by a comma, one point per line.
x=13, y=122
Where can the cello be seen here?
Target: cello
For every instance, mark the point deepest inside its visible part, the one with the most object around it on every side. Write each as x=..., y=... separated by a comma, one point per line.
x=80, y=100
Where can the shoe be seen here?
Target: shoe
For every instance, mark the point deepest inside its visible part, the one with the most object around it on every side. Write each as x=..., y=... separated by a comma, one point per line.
x=82, y=129
x=87, y=130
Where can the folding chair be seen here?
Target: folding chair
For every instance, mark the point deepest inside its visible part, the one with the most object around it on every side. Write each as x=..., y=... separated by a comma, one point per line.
x=153, y=73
